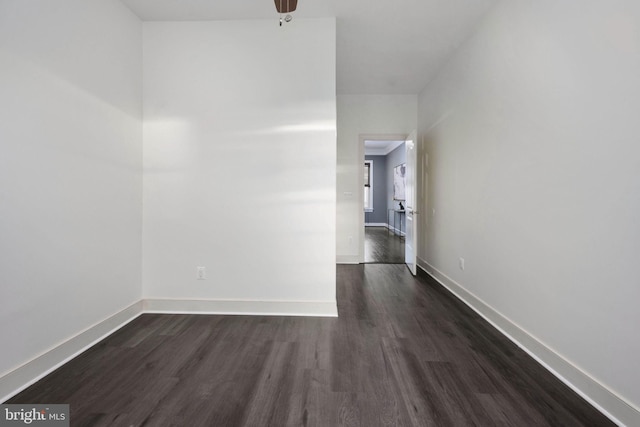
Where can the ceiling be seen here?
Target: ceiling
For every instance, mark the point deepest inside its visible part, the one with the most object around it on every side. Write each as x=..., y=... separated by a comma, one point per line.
x=380, y=148
x=383, y=46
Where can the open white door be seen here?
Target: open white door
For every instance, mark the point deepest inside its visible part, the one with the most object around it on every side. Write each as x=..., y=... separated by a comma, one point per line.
x=411, y=196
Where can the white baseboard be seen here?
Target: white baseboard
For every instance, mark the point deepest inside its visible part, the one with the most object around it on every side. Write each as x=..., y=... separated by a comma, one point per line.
x=22, y=377
x=17, y=380
x=388, y=226
x=597, y=394
x=397, y=231
x=347, y=259
x=240, y=307
x=608, y=402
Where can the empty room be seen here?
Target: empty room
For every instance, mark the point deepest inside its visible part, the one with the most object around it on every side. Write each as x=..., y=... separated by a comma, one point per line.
x=185, y=222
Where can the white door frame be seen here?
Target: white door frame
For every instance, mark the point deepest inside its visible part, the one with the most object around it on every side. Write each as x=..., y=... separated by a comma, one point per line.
x=362, y=138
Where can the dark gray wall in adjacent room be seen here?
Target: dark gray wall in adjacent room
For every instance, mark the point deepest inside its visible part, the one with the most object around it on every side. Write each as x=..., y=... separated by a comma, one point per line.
x=379, y=213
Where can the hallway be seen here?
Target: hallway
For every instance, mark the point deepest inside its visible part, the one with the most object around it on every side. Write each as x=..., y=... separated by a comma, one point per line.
x=382, y=247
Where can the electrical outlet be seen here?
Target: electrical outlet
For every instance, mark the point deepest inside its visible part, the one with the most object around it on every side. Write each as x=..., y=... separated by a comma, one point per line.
x=201, y=273
x=461, y=263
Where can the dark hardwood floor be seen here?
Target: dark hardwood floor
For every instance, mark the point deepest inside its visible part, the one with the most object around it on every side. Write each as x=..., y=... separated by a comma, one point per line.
x=382, y=246
x=403, y=352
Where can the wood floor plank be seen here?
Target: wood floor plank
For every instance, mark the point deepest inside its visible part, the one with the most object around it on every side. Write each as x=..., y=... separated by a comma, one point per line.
x=403, y=352
x=382, y=246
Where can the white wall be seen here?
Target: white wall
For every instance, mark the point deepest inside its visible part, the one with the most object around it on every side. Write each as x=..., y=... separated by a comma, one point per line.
x=363, y=115
x=70, y=170
x=240, y=165
x=532, y=134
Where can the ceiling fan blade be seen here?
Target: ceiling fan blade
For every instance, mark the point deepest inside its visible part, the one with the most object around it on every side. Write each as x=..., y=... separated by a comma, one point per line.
x=286, y=6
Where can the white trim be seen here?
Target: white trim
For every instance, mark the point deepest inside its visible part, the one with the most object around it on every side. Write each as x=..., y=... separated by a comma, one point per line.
x=242, y=307
x=348, y=259
x=22, y=377
x=612, y=405
x=396, y=231
x=376, y=224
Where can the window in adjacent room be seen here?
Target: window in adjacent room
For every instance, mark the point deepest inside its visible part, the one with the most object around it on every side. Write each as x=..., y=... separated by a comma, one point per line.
x=368, y=186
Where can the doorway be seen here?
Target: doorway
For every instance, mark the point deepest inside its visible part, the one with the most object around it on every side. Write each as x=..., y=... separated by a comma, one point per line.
x=384, y=219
